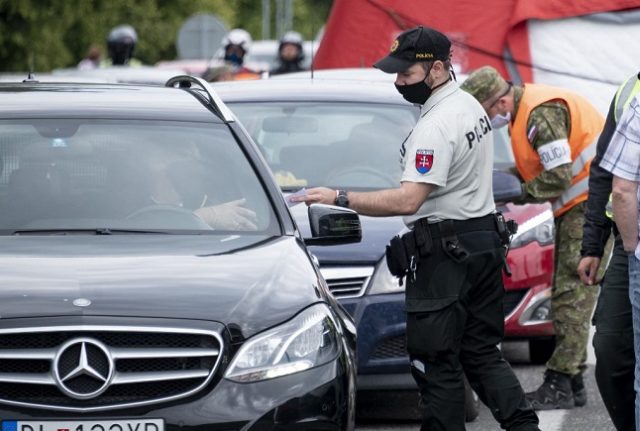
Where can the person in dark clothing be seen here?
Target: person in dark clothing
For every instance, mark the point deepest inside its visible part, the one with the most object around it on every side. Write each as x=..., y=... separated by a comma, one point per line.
x=613, y=339
x=121, y=44
x=290, y=54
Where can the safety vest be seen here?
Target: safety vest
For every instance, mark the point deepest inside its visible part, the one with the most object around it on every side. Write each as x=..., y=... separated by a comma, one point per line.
x=133, y=62
x=625, y=94
x=245, y=74
x=586, y=125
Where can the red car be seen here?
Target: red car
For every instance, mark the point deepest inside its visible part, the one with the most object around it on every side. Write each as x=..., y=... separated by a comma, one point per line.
x=528, y=299
x=530, y=259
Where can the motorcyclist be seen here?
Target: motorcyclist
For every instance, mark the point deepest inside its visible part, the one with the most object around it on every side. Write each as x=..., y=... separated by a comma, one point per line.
x=121, y=44
x=290, y=54
x=236, y=44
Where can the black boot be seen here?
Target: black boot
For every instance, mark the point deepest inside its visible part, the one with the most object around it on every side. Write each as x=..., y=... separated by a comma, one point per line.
x=554, y=393
x=579, y=391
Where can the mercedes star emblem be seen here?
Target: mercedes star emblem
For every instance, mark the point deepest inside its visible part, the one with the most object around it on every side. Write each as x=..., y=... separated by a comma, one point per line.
x=83, y=368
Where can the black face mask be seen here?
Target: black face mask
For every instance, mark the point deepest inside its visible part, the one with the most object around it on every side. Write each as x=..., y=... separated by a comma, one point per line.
x=415, y=93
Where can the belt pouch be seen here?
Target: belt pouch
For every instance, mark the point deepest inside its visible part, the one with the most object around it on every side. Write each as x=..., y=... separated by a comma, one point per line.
x=397, y=259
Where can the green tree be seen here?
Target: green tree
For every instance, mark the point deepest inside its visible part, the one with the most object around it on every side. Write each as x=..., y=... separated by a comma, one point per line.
x=45, y=34
x=42, y=35
x=308, y=16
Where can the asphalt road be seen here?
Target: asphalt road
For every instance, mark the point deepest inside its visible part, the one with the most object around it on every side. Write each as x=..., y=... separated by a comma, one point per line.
x=592, y=417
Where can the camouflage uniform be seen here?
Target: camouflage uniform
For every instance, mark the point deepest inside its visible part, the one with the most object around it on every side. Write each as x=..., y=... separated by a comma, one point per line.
x=572, y=302
x=553, y=123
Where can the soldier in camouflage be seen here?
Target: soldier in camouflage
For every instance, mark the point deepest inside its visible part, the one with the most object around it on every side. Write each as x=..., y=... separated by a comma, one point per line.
x=552, y=158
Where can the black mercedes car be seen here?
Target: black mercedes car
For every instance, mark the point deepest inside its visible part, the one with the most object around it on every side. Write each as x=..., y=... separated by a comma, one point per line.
x=153, y=278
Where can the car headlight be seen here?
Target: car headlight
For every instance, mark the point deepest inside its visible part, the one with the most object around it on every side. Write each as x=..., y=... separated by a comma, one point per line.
x=308, y=340
x=539, y=228
x=382, y=281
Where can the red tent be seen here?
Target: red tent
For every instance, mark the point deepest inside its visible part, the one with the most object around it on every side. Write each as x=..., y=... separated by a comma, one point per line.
x=359, y=32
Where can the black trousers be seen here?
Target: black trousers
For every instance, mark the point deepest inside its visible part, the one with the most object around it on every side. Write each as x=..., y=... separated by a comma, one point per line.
x=613, y=342
x=455, y=320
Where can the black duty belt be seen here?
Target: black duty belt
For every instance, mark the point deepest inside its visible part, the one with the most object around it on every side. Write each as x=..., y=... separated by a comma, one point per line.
x=487, y=222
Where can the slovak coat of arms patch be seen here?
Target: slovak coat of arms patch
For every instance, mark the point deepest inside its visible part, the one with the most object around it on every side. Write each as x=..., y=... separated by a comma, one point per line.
x=424, y=160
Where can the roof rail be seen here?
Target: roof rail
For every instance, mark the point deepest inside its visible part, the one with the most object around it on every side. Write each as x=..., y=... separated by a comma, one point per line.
x=215, y=102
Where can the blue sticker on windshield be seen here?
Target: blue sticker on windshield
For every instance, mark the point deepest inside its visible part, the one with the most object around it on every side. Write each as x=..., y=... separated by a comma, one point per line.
x=9, y=426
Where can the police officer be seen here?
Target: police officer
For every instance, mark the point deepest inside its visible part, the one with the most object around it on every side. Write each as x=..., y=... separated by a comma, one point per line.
x=454, y=254
x=613, y=339
x=553, y=137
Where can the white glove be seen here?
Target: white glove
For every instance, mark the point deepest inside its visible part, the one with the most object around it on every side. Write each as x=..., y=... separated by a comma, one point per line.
x=229, y=216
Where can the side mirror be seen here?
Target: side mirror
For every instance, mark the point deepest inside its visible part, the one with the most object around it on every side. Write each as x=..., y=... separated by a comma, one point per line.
x=332, y=225
x=506, y=187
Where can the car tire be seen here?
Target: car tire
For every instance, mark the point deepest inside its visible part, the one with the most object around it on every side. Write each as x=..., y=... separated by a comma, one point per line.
x=471, y=403
x=541, y=349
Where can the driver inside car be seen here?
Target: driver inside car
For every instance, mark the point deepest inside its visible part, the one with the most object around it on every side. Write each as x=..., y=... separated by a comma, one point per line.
x=175, y=178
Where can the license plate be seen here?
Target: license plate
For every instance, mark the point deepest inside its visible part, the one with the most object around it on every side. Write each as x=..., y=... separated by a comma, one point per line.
x=111, y=425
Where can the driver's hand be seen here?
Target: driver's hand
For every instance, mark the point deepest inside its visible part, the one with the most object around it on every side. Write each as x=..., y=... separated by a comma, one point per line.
x=229, y=216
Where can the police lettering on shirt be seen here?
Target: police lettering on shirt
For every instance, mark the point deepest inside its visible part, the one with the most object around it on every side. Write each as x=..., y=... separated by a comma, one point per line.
x=554, y=154
x=474, y=136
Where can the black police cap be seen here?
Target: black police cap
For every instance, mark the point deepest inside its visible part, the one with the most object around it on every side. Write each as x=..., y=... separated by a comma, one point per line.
x=413, y=46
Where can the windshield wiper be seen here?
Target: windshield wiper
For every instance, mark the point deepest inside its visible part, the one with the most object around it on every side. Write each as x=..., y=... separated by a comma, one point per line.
x=87, y=231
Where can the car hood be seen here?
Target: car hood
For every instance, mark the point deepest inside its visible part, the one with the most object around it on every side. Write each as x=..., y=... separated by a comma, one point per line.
x=376, y=233
x=251, y=284
x=524, y=212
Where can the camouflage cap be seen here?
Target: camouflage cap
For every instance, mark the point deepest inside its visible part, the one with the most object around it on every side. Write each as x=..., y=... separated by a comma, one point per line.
x=485, y=84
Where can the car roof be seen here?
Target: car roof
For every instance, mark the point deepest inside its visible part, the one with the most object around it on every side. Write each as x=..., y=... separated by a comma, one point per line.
x=102, y=101
x=297, y=89
x=121, y=74
x=346, y=73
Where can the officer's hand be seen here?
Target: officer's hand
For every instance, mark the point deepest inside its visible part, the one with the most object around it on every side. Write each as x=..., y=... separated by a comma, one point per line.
x=588, y=269
x=317, y=195
x=229, y=216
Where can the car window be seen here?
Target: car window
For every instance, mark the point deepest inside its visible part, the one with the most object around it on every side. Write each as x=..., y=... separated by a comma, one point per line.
x=503, y=154
x=136, y=175
x=341, y=145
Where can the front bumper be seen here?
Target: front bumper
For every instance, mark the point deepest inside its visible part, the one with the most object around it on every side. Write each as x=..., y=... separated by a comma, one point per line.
x=531, y=282
x=382, y=358
x=322, y=398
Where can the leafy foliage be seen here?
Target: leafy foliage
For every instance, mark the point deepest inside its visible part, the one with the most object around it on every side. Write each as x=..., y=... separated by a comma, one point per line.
x=42, y=35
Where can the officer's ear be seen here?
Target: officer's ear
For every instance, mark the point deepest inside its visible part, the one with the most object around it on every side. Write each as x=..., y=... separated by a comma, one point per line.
x=506, y=102
x=438, y=66
x=443, y=68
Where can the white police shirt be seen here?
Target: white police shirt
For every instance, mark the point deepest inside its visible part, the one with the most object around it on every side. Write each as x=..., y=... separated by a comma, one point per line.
x=451, y=147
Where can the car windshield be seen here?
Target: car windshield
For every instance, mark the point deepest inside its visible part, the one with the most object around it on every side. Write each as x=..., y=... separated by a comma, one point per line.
x=341, y=145
x=64, y=176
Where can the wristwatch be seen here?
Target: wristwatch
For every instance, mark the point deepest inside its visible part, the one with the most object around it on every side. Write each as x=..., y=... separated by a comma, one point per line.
x=341, y=199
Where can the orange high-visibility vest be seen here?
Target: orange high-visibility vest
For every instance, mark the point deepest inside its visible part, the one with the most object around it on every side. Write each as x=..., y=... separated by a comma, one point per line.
x=586, y=125
x=245, y=74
